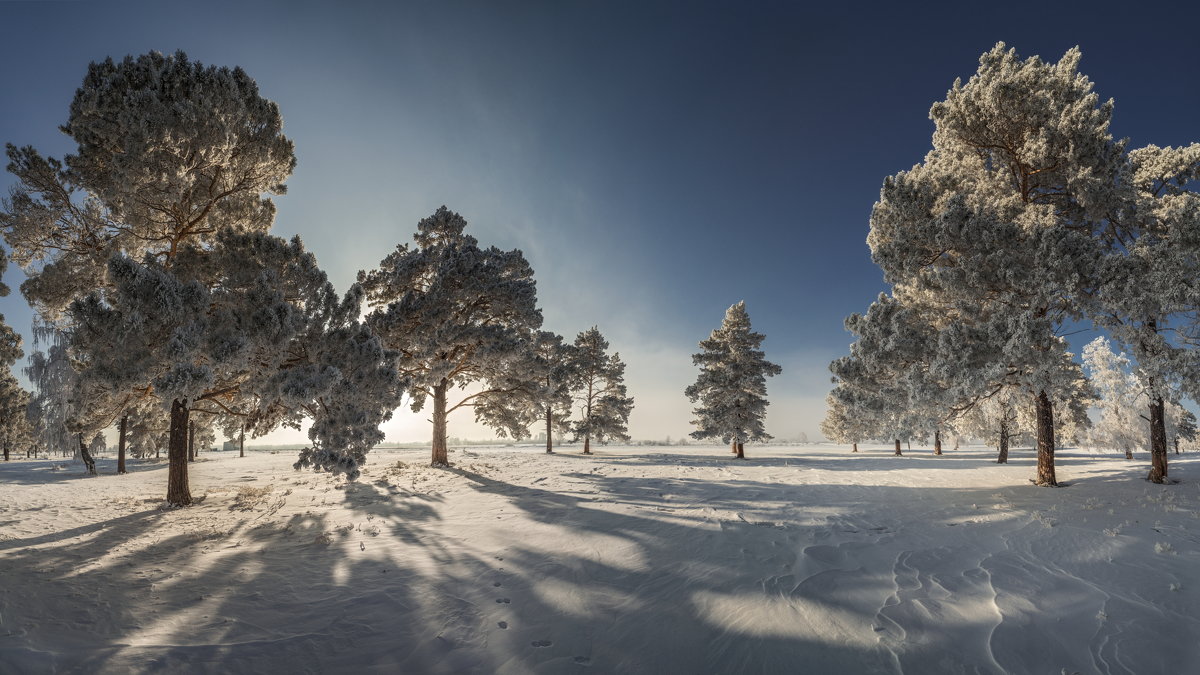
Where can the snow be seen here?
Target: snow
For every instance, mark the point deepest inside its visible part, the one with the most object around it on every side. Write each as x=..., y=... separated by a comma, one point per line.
x=635, y=560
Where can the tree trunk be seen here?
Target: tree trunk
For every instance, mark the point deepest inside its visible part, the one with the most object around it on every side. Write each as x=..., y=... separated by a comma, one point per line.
x=1003, y=458
x=178, y=492
x=86, y=456
x=121, y=444
x=1128, y=453
x=191, y=441
x=1045, y=440
x=937, y=442
x=549, y=430
x=956, y=440
x=441, y=454
x=898, y=453
x=908, y=444
x=741, y=451
x=242, y=442
x=733, y=447
x=1177, y=445
x=1158, y=441
x=587, y=419
x=855, y=447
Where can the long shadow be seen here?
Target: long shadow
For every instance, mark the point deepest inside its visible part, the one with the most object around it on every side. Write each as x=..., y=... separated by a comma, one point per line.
x=631, y=589
x=43, y=471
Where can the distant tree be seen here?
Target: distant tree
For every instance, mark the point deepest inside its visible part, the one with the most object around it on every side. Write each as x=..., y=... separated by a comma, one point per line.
x=841, y=426
x=1181, y=425
x=457, y=315
x=732, y=385
x=15, y=429
x=553, y=367
x=1119, y=426
x=602, y=399
x=53, y=381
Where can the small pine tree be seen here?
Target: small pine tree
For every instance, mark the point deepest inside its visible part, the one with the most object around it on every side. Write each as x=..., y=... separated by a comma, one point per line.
x=732, y=385
x=604, y=403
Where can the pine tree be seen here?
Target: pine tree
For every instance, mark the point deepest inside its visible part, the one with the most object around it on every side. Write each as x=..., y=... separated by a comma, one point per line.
x=457, y=315
x=999, y=224
x=732, y=385
x=1146, y=299
x=1119, y=426
x=600, y=393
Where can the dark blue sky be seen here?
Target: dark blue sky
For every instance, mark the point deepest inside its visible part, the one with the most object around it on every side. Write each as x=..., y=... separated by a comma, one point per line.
x=656, y=162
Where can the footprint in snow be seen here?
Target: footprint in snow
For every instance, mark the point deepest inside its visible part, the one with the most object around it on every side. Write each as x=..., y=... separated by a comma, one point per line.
x=541, y=643
x=503, y=624
x=496, y=584
x=503, y=601
x=583, y=660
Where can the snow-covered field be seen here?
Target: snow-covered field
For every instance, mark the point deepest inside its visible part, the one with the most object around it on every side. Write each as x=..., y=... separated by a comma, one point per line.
x=637, y=560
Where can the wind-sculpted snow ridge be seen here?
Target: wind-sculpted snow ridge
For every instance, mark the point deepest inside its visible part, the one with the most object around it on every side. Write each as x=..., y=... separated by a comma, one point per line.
x=635, y=560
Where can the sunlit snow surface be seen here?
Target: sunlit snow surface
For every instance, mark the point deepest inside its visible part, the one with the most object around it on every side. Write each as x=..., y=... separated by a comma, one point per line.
x=637, y=560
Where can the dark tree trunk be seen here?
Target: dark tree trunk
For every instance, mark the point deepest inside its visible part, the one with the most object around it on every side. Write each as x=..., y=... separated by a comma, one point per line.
x=549, y=430
x=1177, y=445
x=121, y=444
x=1045, y=440
x=908, y=445
x=1003, y=458
x=1128, y=453
x=898, y=453
x=741, y=451
x=855, y=447
x=587, y=419
x=191, y=441
x=441, y=454
x=956, y=439
x=733, y=447
x=242, y=442
x=87, y=456
x=937, y=442
x=178, y=492
x=1158, y=441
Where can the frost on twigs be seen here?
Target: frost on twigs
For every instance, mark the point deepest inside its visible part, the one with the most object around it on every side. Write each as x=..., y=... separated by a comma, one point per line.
x=345, y=463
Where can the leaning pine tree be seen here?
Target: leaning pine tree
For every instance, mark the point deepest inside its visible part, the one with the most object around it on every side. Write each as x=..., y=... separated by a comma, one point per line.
x=604, y=402
x=732, y=385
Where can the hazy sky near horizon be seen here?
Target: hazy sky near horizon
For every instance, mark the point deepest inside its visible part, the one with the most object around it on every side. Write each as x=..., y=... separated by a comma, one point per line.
x=656, y=162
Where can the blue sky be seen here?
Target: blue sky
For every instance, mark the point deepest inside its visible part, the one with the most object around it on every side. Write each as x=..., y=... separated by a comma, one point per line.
x=656, y=162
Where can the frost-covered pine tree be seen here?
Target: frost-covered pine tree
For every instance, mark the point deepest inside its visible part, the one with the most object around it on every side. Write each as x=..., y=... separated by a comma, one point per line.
x=732, y=385
x=169, y=152
x=540, y=391
x=886, y=383
x=458, y=315
x=840, y=425
x=1147, y=299
x=998, y=225
x=15, y=430
x=250, y=317
x=1119, y=426
x=602, y=400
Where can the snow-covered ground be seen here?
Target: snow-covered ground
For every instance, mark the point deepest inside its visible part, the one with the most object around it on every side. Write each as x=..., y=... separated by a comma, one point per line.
x=637, y=560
